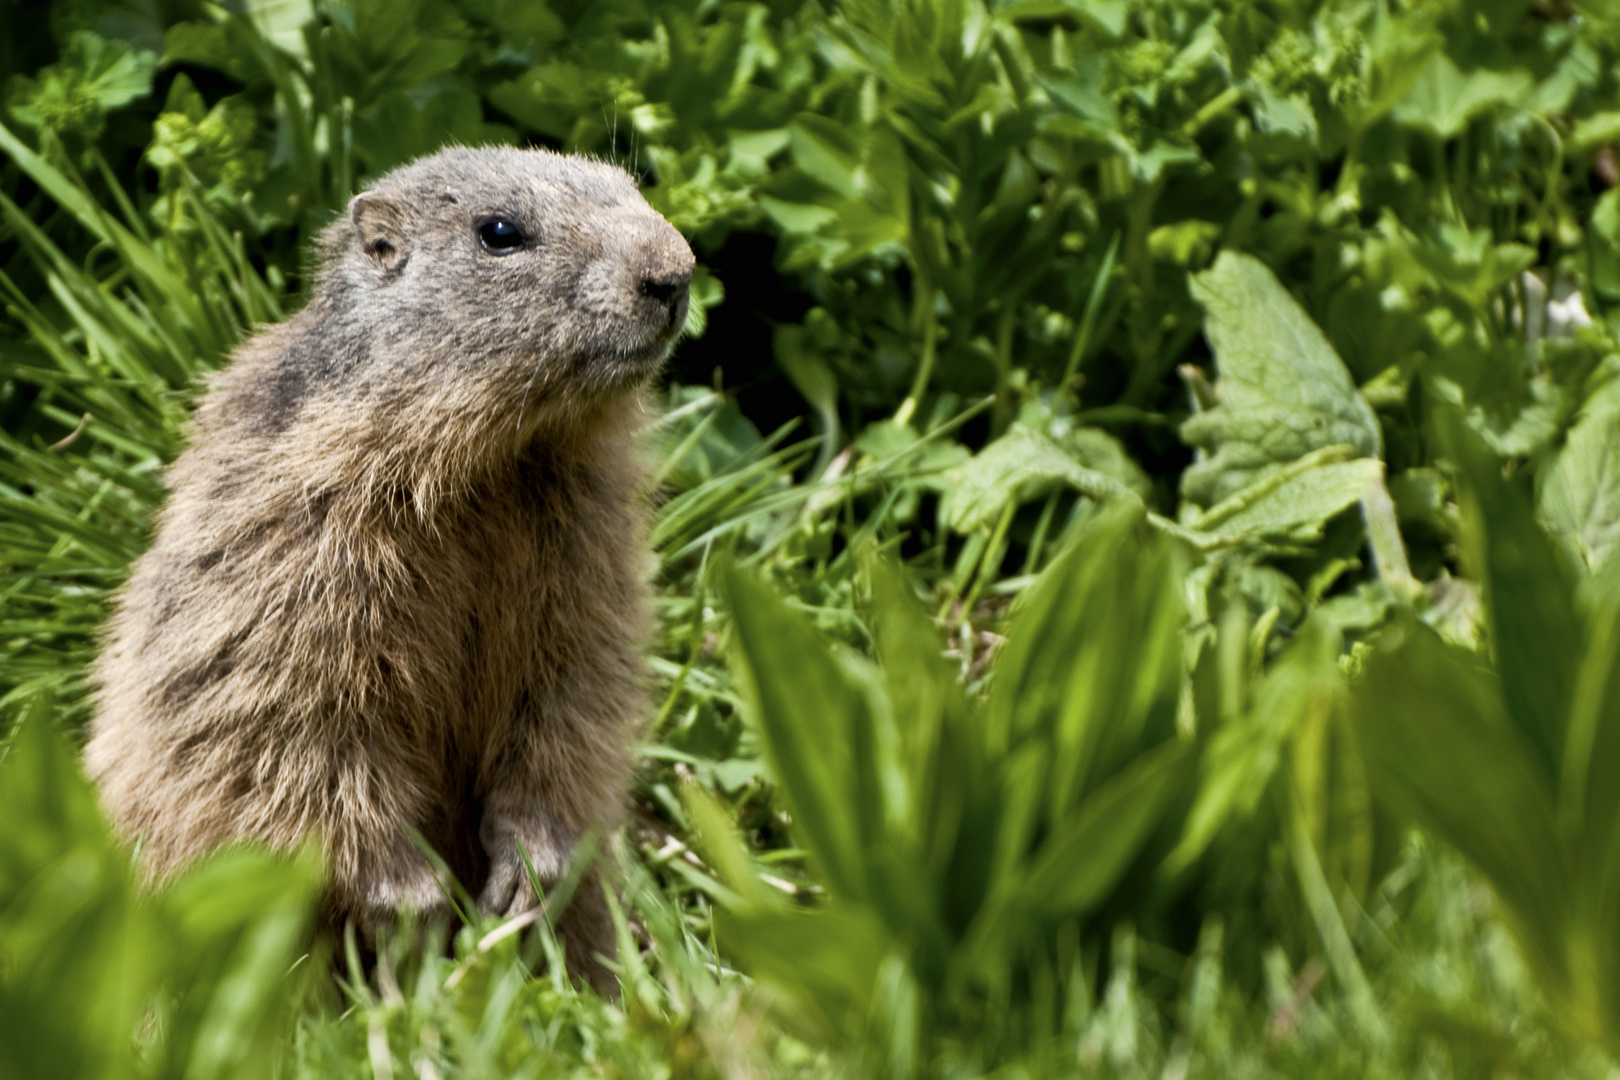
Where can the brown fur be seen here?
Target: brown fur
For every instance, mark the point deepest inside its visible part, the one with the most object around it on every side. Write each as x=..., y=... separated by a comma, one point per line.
x=397, y=585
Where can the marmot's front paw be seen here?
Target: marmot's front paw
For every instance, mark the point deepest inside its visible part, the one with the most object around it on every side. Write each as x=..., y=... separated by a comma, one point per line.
x=509, y=890
x=410, y=885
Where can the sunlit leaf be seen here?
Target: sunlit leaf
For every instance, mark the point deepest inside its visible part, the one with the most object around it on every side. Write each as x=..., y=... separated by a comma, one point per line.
x=1282, y=391
x=1444, y=98
x=1580, y=491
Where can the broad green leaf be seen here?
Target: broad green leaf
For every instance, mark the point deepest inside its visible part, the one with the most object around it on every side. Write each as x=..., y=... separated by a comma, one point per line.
x=825, y=151
x=724, y=849
x=1442, y=749
x=706, y=293
x=1020, y=465
x=1580, y=491
x=544, y=98
x=87, y=953
x=825, y=962
x=1469, y=262
x=1282, y=391
x=1443, y=98
x=1089, y=670
x=1083, y=92
x=1276, y=114
x=243, y=918
x=1080, y=863
x=810, y=716
x=1595, y=130
x=1535, y=632
x=796, y=217
x=1398, y=50
x=282, y=22
x=1588, y=796
x=815, y=382
x=1236, y=769
x=1296, y=509
x=924, y=693
x=1243, y=755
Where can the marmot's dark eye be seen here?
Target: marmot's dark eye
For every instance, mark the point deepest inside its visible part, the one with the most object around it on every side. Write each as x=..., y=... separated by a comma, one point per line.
x=499, y=236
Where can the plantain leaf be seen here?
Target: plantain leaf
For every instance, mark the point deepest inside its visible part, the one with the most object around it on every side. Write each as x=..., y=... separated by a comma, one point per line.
x=1588, y=795
x=808, y=711
x=1242, y=756
x=1442, y=749
x=930, y=713
x=1081, y=862
x=825, y=962
x=1535, y=631
x=1090, y=667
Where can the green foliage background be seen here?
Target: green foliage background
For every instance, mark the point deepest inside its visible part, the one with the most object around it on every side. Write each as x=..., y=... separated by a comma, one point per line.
x=1135, y=515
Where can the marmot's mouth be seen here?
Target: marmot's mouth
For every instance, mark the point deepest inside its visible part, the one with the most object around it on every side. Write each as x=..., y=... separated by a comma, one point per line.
x=652, y=354
x=613, y=369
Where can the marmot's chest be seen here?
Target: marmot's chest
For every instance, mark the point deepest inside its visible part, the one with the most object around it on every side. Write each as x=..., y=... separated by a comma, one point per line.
x=548, y=579
x=530, y=544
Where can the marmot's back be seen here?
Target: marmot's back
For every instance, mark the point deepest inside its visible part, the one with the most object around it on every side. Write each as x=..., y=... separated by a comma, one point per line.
x=396, y=588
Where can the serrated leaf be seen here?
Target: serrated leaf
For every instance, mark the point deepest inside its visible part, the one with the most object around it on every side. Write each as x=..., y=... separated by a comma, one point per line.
x=1018, y=466
x=1297, y=509
x=1282, y=391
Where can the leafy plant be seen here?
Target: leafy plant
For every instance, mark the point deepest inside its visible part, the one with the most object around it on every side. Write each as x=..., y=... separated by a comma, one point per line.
x=200, y=980
x=1510, y=765
x=966, y=851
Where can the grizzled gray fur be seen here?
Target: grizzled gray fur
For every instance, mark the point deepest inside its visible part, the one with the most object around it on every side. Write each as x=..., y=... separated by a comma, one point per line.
x=397, y=586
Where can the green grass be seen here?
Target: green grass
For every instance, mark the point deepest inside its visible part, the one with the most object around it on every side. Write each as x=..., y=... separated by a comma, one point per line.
x=1133, y=582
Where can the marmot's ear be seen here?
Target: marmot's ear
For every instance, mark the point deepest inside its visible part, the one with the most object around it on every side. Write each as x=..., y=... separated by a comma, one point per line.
x=378, y=221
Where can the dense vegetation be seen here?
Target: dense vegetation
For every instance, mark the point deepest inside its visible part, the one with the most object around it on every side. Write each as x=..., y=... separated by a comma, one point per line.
x=1135, y=515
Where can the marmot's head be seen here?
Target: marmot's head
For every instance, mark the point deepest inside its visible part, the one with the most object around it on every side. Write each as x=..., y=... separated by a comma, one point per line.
x=511, y=282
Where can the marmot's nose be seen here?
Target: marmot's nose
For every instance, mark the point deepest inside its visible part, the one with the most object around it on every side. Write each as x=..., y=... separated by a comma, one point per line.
x=668, y=289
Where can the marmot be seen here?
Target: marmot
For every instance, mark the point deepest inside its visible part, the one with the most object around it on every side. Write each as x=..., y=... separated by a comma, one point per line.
x=398, y=584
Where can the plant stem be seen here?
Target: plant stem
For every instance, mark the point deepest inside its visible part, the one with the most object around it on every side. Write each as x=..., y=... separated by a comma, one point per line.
x=925, y=367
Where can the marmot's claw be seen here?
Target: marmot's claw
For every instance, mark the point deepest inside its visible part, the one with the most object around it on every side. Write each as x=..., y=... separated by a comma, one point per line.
x=508, y=891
